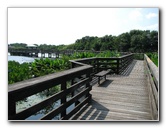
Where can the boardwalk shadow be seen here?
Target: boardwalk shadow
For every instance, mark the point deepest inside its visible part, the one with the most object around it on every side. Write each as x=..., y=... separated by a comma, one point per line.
x=128, y=70
x=105, y=83
x=102, y=84
x=92, y=111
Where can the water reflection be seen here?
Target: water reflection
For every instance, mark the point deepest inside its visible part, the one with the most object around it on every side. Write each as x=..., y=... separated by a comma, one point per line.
x=37, y=98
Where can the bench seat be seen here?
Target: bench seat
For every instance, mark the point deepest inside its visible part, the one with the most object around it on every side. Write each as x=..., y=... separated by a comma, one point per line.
x=101, y=74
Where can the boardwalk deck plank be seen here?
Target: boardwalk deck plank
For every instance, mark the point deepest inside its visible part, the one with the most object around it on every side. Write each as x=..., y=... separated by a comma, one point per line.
x=120, y=97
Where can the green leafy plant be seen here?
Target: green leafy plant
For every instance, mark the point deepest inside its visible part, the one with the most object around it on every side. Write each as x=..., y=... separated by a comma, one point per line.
x=154, y=57
x=108, y=54
x=17, y=72
x=40, y=67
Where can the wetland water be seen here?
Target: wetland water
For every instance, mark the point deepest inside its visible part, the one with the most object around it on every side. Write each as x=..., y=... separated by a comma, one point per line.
x=20, y=59
x=34, y=99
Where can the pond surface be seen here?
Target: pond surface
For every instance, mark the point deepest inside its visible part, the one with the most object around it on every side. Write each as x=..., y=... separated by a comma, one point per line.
x=21, y=59
x=34, y=99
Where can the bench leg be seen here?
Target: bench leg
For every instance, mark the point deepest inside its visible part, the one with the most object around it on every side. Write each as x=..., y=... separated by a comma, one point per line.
x=105, y=77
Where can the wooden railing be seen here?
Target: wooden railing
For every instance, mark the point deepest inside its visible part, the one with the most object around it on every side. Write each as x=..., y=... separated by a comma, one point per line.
x=138, y=56
x=21, y=90
x=116, y=64
x=153, y=83
x=78, y=78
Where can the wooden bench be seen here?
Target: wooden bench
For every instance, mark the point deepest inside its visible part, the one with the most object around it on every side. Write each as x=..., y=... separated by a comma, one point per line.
x=101, y=74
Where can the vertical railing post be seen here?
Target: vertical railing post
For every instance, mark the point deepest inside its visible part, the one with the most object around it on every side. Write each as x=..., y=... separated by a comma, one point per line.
x=88, y=84
x=95, y=65
x=133, y=57
x=97, y=60
x=11, y=107
x=72, y=66
x=63, y=100
x=117, y=68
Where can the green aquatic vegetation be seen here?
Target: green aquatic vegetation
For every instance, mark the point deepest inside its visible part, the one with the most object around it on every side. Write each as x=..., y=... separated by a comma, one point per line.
x=46, y=66
x=17, y=72
x=40, y=67
x=78, y=55
x=108, y=54
x=154, y=57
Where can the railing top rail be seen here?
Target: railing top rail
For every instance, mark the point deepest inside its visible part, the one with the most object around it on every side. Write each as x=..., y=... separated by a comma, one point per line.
x=125, y=55
x=77, y=60
x=95, y=58
x=36, y=82
x=153, y=68
x=79, y=63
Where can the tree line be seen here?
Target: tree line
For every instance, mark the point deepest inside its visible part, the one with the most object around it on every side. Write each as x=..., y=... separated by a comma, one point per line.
x=133, y=41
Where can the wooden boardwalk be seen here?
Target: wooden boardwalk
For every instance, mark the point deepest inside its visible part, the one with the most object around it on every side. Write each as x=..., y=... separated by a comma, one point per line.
x=121, y=97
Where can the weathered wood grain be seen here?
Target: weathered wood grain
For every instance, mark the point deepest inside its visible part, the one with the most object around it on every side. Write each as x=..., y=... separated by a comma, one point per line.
x=119, y=98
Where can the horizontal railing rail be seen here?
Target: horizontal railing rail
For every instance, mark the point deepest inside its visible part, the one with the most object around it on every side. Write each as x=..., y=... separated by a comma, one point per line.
x=138, y=56
x=116, y=64
x=74, y=82
x=24, y=89
x=152, y=72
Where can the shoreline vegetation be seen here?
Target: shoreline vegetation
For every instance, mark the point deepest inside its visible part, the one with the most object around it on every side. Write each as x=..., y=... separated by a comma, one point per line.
x=135, y=41
x=39, y=67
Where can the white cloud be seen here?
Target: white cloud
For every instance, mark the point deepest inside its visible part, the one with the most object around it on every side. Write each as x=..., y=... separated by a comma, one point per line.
x=151, y=15
x=149, y=27
x=135, y=15
x=152, y=27
x=65, y=25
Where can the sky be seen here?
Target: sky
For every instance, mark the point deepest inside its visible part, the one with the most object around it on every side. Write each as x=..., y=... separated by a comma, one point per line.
x=58, y=26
